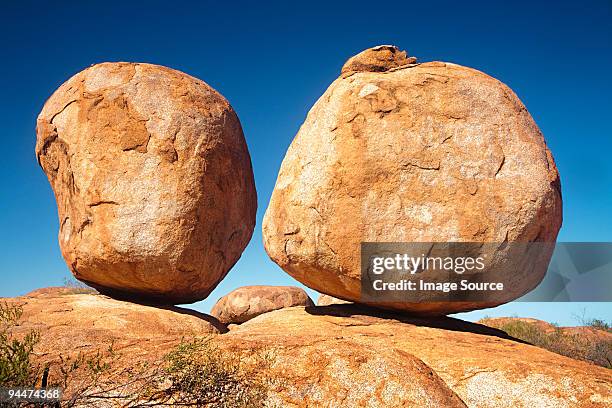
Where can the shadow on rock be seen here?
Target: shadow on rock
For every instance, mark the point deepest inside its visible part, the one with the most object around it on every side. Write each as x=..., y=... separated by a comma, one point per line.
x=367, y=313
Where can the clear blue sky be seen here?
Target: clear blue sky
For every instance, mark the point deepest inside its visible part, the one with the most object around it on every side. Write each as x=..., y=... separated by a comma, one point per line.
x=272, y=61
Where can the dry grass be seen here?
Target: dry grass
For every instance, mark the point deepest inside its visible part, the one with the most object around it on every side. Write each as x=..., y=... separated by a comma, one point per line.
x=580, y=345
x=195, y=373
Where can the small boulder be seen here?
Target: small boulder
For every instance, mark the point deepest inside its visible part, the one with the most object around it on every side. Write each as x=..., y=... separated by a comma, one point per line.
x=247, y=302
x=377, y=59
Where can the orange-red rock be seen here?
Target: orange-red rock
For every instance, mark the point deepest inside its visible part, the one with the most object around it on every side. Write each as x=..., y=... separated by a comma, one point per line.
x=153, y=181
x=246, y=302
x=70, y=323
x=326, y=300
x=339, y=355
x=482, y=366
x=430, y=152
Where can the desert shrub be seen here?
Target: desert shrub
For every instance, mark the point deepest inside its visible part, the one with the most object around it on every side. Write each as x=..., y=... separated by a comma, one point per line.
x=16, y=367
x=195, y=373
x=599, y=325
x=580, y=346
x=202, y=375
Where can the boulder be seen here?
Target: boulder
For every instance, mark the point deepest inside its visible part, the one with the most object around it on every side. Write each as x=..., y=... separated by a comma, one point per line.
x=429, y=152
x=153, y=181
x=326, y=300
x=245, y=303
x=338, y=372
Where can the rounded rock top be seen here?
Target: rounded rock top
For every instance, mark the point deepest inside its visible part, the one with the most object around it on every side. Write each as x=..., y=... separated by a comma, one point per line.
x=153, y=181
x=378, y=59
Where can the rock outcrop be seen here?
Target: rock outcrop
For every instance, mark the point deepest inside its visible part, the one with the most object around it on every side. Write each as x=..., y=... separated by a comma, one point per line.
x=87, y=322
x=153, y=181
x=404, y=152
x=339, y=355
x=378, y=59
x=246, y=302
x=482, y=366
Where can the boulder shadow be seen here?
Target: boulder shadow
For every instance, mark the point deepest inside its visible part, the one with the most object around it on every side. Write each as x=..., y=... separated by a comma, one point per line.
x=436, y=322
x=210, y=319
x=176, y=309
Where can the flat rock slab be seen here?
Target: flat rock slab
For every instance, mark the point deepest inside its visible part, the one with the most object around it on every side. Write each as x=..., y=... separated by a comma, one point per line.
x=70, y=323
x=337, y=355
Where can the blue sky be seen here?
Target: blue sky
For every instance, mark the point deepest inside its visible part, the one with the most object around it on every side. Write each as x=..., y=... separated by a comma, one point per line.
x=272, y=61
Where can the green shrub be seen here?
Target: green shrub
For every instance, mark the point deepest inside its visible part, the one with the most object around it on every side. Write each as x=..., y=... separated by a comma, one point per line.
x=599, y=325
x=194, y=373
x=16, y=368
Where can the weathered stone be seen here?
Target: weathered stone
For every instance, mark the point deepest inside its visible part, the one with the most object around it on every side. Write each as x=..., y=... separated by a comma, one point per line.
x=245, y=303
x=326, y=300
x=152, y=178
x=433, y=152
x=336, y=355
x=86, y=322
x=324, y=357
x=377, y=59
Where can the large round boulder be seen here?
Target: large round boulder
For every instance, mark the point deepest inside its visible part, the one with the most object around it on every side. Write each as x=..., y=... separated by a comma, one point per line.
x=247, y=302
x=396, y=151
x=153, y=181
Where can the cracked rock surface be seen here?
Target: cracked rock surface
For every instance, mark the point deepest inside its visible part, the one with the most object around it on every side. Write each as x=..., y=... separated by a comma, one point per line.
x=395, y=151
x=153, y=181
x=346, y=355
x=326, y=356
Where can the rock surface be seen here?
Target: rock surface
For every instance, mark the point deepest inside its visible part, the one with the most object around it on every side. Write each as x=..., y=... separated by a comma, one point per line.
x=326, y=300
x=246, y=302
x=87, y=322
x=378, y=59
x=481, y=365
x=432, y=152
x=153, y=181
x=343, y=373
x=340, y=355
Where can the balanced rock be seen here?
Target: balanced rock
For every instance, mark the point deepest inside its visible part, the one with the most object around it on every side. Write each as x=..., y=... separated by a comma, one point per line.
x=247, y=302
x=152, y=178
x=430, y=152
